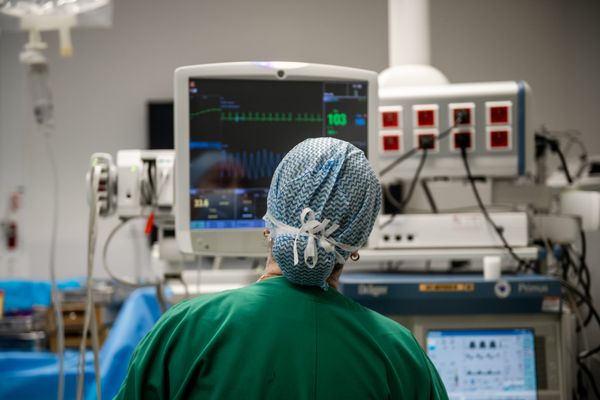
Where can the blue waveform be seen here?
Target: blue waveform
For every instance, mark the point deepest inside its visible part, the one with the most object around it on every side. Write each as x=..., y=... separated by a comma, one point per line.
x=196, y=145
x=253, y=165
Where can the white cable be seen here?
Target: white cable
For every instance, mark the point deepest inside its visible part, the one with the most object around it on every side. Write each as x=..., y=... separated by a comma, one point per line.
x=94, y=210
x=161, y=187
x=96, y=350
x=92, y=316
x=186, y=290
x=55, y=295
x=198, y=271
x=110, y=273
x=154, y=196
x=42, y=110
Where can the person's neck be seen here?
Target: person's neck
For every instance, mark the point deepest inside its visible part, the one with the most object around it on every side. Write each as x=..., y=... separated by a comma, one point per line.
x=272, y=270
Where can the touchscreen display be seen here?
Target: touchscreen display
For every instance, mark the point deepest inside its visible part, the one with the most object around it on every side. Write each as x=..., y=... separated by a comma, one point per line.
x=241, y=129
x=485, y=364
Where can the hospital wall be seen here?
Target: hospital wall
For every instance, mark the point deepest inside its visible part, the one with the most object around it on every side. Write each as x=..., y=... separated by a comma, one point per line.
x=102, y=91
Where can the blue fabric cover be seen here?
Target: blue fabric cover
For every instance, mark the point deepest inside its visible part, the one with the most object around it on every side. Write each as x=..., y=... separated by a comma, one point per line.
x=27, y=375
x=22, y=295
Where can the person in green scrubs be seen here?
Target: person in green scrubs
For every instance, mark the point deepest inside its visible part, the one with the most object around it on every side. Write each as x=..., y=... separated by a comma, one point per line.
x=291, y=335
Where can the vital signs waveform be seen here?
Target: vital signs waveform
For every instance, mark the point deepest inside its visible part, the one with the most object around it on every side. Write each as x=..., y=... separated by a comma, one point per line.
x=205, y=111
x=252, y=164
x=261, y=116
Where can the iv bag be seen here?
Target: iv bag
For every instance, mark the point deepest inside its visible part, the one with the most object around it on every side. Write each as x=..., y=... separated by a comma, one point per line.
x=22, y=8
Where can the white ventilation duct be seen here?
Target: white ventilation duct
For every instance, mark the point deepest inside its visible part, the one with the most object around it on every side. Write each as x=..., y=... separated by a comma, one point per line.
x=409, y=46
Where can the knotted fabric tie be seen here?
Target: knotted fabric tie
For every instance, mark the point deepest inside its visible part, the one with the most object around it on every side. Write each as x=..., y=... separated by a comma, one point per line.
x=319, y=234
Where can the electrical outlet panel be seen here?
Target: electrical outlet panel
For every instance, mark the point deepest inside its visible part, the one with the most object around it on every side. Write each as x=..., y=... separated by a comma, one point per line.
x=492, y=120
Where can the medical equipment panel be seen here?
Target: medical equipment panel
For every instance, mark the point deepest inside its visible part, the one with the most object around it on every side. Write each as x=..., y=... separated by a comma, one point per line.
x=235, y=122
x=523, y=315
x=492, y=120
x=145, y=183
x=553, y=349
x=241, y=129
x=462, y=230
x=485, y=363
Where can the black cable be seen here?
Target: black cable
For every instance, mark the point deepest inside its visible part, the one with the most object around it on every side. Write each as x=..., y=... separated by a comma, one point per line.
x=429, y=195
x=460, y=117
x=410, y=192
x=555, y=147
x=583, y=156
x=400, y=159
x=588, y=353
x=484, y=211
x=413, y=183
x=582, y=296
x=567, y=263
x=412, y=151
x=590, y=377
x=580, y=385
x=572, y=139
x=583, y=255
x=584, y=269
x=153, y=190
x=583, y=272
x=588, y=319
x=579, y=270
x=563, y=162
x=574, y=394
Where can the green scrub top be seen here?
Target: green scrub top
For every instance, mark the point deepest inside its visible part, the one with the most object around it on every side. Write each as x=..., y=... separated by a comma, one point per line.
x=277, y=340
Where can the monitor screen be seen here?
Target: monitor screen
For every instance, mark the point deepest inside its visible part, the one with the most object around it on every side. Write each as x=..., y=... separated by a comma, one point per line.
x=160, y=125
x=485, y=364
x=241, y=129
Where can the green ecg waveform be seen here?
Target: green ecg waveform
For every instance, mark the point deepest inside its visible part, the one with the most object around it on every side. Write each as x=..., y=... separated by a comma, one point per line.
x=236, y=116
x=261, y=116
x=205, y=111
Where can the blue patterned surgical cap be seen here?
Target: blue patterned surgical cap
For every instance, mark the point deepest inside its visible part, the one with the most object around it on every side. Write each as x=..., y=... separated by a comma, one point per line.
x=322, y=205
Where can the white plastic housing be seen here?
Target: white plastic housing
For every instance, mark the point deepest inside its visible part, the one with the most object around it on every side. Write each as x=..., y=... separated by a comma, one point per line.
x=450, y=230
x=131, y=175
x=245, y=242
x=486, y=158
x=585, y=205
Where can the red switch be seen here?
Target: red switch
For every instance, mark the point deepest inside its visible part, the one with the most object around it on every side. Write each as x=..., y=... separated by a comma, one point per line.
x=390, y=119
x=498, y=112
x=499, y=139
x=426, y=118
x=390, y=143
x=499, y=115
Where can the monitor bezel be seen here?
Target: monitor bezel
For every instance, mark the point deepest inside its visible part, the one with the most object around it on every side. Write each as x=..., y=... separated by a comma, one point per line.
x=246, y=242
x=427, y=329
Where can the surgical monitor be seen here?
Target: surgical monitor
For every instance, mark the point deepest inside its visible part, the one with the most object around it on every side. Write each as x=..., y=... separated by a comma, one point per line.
x=485, y=363
x=234, y=122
